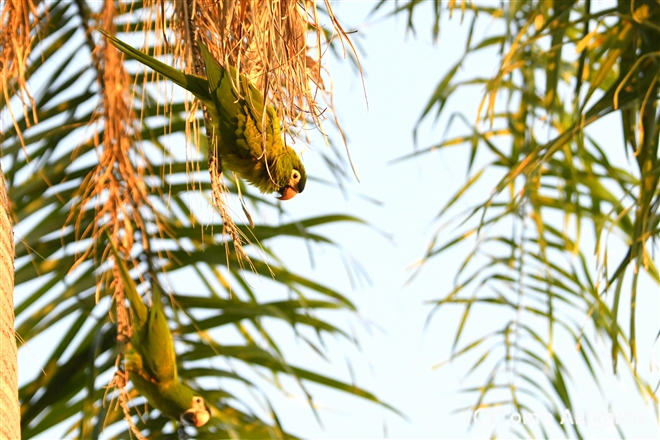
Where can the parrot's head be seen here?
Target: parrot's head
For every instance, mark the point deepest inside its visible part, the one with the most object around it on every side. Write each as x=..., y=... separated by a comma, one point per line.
x=291, y=176
x=198, y=414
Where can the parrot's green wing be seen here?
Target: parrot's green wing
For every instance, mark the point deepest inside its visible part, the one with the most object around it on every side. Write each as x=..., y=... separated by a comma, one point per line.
x=152, y=338
x=155, y=343
x=152, y=359
x=240, y=111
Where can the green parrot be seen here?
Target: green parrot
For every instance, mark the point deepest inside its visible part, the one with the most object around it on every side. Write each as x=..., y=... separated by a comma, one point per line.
x=248, y=143
x=151, y=360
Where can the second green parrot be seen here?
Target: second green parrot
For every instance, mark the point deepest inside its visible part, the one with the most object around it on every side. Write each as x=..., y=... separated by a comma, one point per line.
x=151, y=360
x=248, y=141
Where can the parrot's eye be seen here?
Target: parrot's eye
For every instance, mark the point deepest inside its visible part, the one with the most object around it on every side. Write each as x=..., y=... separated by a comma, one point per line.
x=295, y=175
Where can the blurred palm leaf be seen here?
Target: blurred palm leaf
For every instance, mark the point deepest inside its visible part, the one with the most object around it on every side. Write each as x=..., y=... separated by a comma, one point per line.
x=562, y=66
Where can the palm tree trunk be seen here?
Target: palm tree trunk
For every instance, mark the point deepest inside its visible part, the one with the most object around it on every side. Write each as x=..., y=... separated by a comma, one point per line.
x=9, y=409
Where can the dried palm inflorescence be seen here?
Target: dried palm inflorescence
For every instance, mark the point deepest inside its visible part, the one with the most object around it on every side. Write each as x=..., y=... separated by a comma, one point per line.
x=116, y=186
x=118, y=181
x=17, y=31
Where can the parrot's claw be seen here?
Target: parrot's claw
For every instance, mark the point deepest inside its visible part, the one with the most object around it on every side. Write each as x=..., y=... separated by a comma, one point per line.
x=183, y=435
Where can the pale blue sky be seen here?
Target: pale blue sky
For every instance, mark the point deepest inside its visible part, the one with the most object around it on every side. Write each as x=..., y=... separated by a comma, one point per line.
x=396, y=363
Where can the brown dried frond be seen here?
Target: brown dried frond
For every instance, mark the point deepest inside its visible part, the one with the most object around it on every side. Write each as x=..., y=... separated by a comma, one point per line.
x=115, y=189
x=17, y=30
x=218, y=192
x=116, y=186
x=124, y=329
x=113, y=282
x=119, y=381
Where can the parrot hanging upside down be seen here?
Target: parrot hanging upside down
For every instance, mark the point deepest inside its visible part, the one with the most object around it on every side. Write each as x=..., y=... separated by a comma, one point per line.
x=151, y=360
x=248, y=144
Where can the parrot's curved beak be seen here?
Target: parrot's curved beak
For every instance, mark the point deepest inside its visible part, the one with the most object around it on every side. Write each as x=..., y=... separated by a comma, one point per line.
x=287, y=193
x=197, y=415
x=195, y=418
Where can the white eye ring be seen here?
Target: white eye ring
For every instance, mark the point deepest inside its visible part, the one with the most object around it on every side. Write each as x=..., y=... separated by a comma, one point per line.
x=295, y=175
